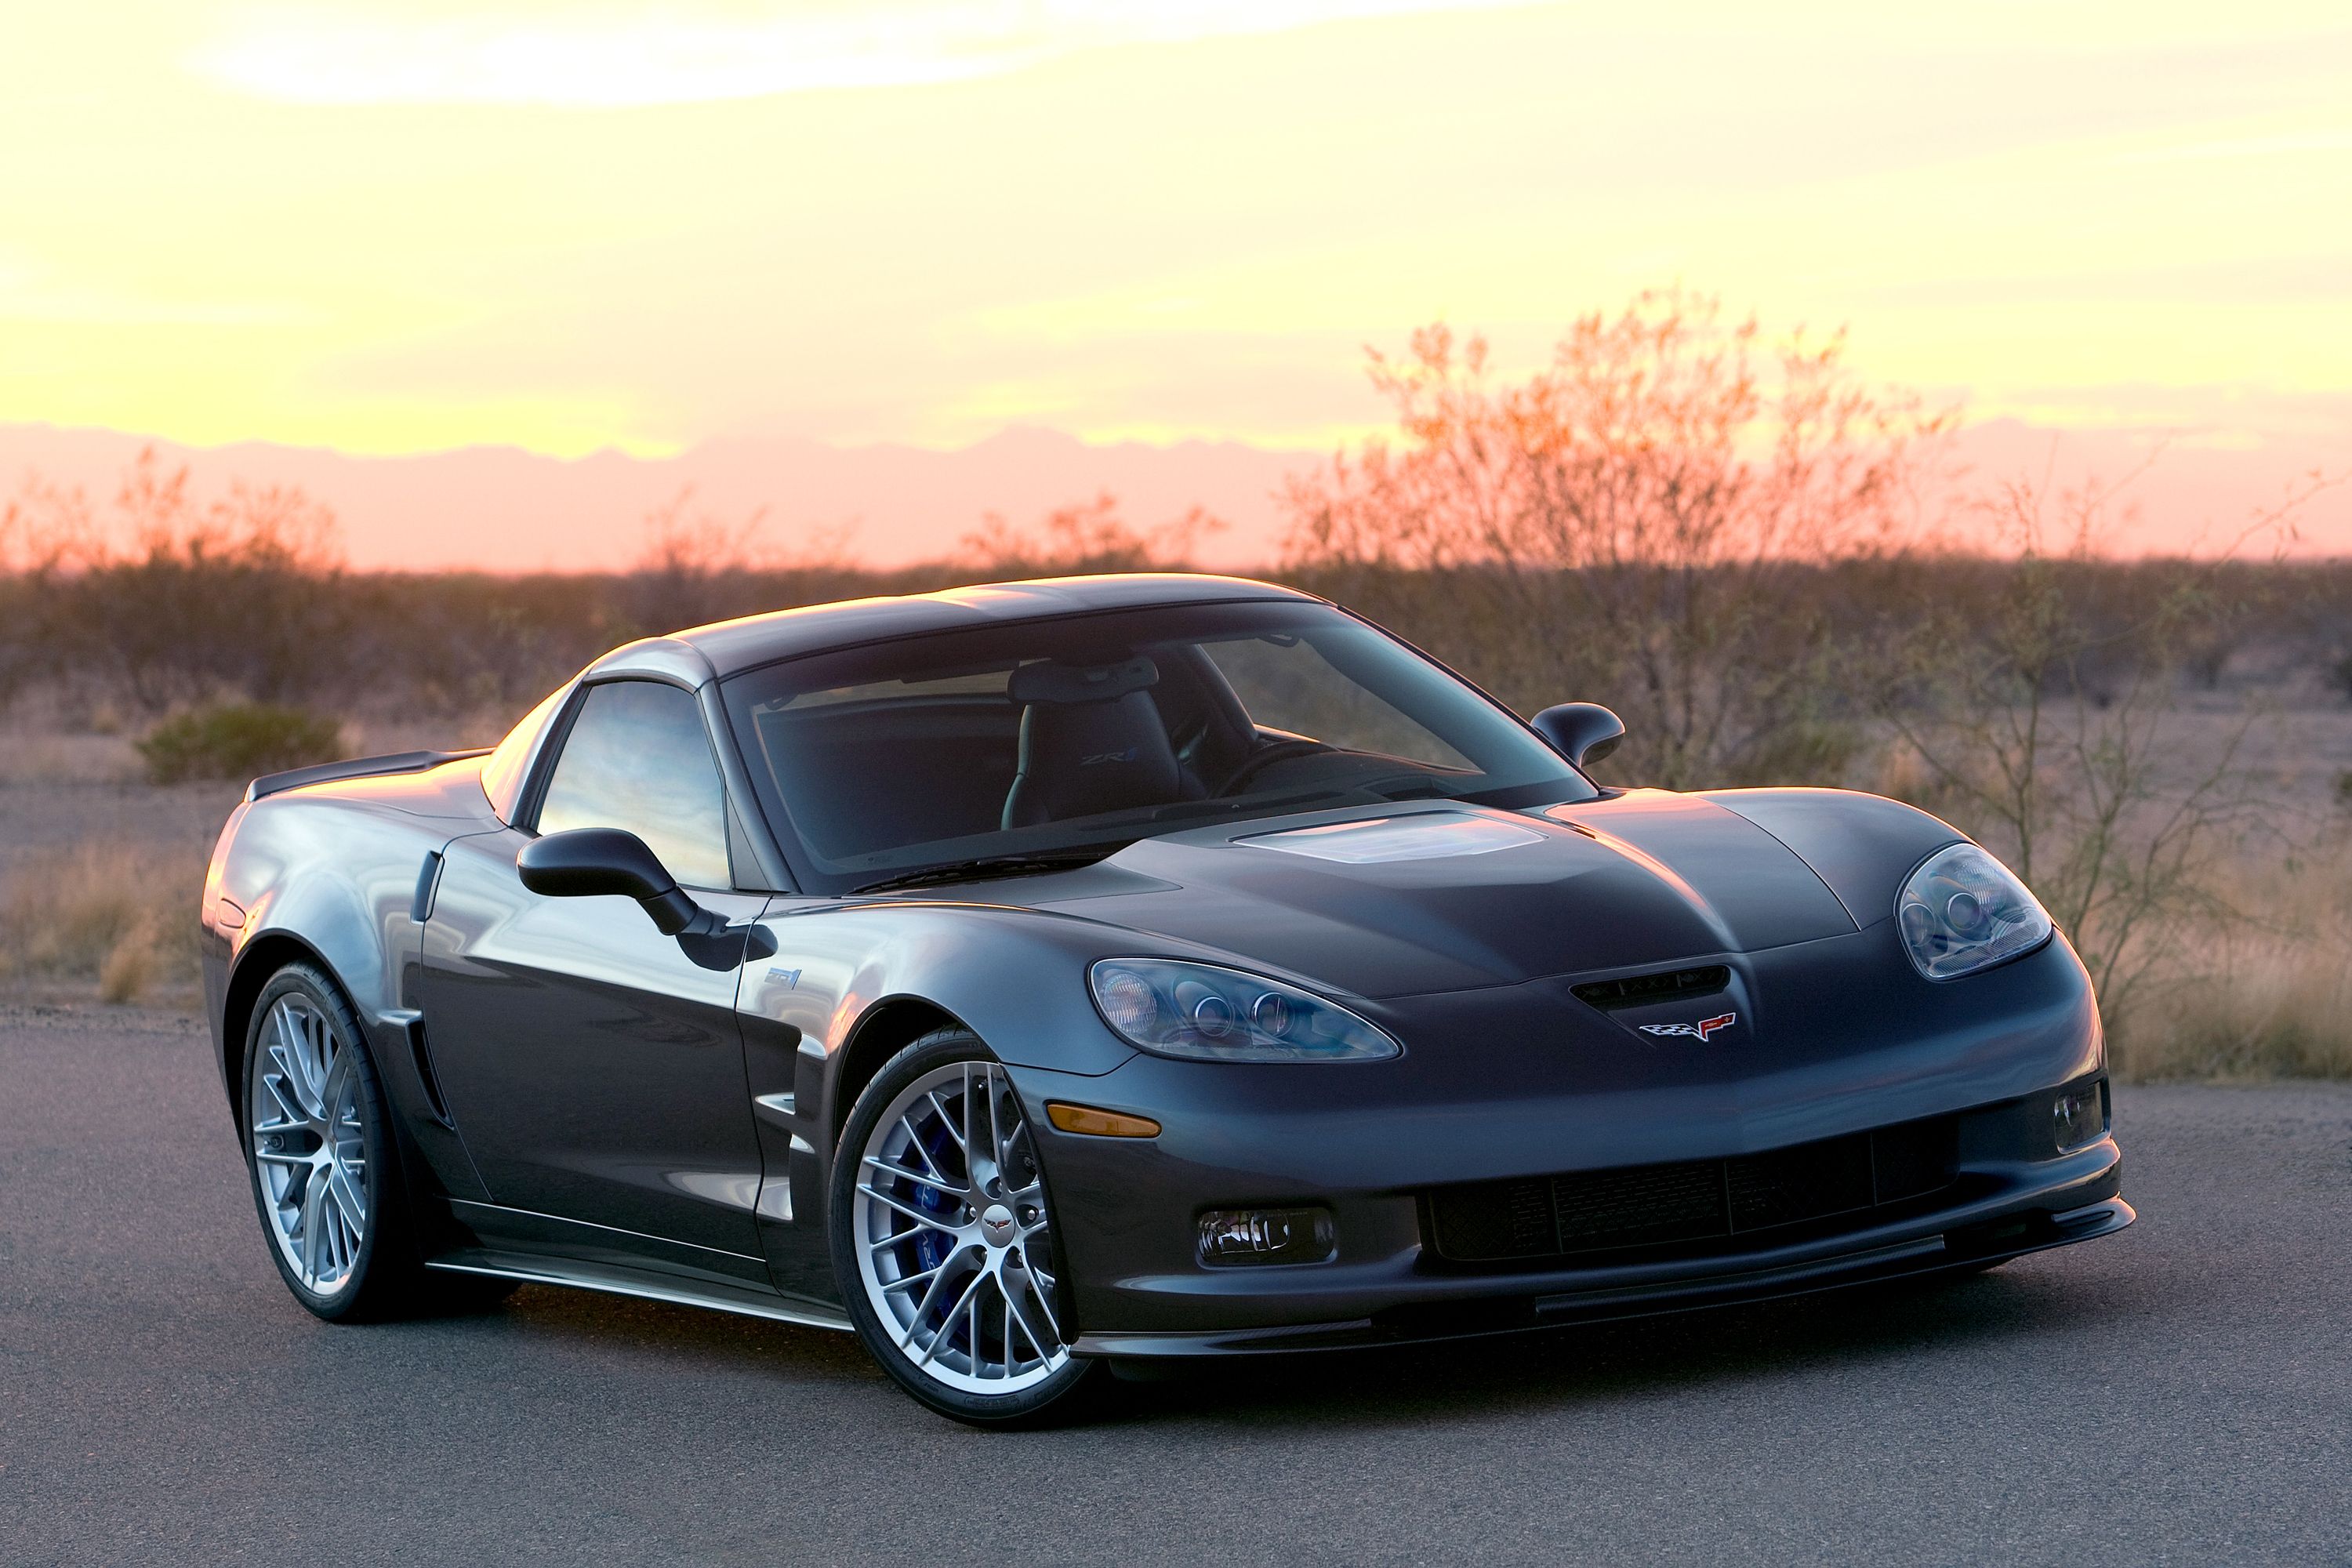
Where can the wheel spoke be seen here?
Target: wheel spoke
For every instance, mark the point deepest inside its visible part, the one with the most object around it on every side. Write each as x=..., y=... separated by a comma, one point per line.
x=300, y=1068
x=349, y=1201
x=279, y=1084
x=971, y=1125
x=1014, y=1314
x=1044, y=1308
x=313, y=1230
x=909, y=1281
x=908, y=1210
x=334, y=1088
x=937, y=1183
x=1004, y=1135
x=947, y=1320
x=923, y=1306
x=915, y=1147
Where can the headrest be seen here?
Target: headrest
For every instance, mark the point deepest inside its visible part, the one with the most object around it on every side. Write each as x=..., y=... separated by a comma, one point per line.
x=1054, y=684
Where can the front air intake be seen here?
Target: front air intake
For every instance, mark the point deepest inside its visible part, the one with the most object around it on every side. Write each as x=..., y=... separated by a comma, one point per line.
x=1695, y=1204
x=1640, y=990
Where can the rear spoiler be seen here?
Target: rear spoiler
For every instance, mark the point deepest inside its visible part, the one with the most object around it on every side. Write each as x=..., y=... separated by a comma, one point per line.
x=356, y=768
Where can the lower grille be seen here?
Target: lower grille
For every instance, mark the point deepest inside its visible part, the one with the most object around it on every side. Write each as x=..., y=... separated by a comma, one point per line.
x=1694, y=1202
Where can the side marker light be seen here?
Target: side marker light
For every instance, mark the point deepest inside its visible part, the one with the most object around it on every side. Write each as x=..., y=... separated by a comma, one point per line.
x=1095, y=1123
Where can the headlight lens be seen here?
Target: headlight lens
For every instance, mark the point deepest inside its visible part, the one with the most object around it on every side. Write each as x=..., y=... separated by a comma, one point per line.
x=1962, y=910
x=1203, y=1012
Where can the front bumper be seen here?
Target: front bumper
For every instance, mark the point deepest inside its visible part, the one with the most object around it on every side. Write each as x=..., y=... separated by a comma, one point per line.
x=1527, y=1085
x=1407, y=1307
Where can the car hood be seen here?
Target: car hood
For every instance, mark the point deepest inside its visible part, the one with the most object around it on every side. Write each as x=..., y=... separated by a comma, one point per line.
x=1444, y=897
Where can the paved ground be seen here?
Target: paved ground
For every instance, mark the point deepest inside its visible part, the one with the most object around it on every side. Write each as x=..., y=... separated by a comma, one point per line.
x=2182, y=1392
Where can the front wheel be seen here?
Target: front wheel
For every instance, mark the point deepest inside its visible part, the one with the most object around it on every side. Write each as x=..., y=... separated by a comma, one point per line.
x=942, y=1238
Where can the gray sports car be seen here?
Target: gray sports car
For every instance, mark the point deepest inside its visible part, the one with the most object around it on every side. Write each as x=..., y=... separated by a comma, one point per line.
x=1043, y=977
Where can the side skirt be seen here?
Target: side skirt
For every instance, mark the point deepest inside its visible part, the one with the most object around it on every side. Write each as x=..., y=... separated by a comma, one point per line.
x=617, y=1280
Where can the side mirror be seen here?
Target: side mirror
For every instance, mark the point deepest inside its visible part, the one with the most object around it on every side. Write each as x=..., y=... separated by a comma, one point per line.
x=583, y=862
x=1583, y=732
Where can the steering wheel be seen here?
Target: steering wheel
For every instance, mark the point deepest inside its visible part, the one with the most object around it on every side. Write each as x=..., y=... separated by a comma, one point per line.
x=1257, y=761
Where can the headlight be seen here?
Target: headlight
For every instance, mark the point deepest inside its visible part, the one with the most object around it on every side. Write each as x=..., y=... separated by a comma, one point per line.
x=1203, y=1012
x=1962, y=912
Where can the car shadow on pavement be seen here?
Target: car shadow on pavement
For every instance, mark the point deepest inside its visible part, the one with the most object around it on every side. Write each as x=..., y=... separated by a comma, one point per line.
x=722, y=1344
x=1498, y=1375
x=1550, y=1368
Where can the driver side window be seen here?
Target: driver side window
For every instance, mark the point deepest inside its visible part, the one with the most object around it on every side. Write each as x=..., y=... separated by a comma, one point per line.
x=638, y=759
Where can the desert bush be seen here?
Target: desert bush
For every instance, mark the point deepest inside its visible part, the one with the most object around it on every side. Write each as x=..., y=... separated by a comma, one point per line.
x=170, y=597
x=236, y=740
x=104, y=914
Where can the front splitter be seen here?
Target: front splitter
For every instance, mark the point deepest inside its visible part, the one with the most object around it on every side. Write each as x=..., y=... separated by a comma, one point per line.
x=1473, y=1316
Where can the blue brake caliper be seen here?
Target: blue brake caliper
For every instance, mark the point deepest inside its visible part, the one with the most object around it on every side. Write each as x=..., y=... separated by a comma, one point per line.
x=932, y=1247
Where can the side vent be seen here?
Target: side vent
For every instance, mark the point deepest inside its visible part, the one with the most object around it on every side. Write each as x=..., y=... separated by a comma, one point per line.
x=1640, y=990
x=428, y=882
x=425, y=1073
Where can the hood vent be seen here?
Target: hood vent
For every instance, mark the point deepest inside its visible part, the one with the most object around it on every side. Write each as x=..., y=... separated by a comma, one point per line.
x=1641, y=989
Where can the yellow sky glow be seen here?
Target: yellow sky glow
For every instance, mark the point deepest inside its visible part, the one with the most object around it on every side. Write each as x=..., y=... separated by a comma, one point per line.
x=404, y=227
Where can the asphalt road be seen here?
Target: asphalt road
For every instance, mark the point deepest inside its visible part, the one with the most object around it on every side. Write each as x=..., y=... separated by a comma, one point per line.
x=2182, y=1392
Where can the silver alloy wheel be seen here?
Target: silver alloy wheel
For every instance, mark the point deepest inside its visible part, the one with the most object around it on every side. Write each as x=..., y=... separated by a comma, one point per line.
x=952, y=1235
x=309, y=1150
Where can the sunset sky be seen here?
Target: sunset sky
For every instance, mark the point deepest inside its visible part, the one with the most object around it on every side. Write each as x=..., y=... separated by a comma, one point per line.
x=411, y=225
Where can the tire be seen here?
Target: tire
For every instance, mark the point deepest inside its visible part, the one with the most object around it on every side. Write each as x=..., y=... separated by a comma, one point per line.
x=323, y=1162
x=959, y=1301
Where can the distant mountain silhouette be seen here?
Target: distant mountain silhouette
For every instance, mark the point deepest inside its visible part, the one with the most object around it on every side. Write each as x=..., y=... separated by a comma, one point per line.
x=504, y=509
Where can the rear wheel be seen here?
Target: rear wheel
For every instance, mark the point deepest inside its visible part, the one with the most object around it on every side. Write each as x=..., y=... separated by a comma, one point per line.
x=942, y=1238
x=325, y=1164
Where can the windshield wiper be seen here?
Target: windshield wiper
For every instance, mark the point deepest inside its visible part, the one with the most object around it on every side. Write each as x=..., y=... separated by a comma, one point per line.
x=993, y=866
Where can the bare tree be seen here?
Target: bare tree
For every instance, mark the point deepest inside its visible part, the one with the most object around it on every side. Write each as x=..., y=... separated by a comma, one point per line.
x=1615, y=526
x=2041, y=710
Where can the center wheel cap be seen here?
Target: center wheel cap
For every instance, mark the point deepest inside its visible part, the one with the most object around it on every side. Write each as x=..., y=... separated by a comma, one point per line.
x=996, y=1224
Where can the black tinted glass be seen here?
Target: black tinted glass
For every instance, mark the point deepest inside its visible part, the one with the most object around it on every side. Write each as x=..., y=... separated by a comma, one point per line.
x=1091, y=731
x=638, y=758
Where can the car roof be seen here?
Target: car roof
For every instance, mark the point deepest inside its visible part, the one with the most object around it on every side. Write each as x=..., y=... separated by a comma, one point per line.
x=725, y=647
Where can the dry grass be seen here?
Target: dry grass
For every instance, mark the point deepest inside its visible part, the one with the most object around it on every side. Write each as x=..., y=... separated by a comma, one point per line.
x=100, y=913
x=2265, y=993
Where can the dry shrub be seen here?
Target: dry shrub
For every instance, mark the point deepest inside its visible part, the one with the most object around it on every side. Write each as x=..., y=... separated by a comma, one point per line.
x=2266, y=995
x=236, y=740
x=100, y=912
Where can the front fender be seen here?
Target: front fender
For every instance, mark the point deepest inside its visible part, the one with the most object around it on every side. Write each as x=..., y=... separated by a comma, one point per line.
x=848, y=984
x=1016, y=978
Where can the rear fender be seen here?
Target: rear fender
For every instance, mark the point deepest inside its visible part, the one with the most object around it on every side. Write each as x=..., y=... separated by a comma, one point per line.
x=323, y=881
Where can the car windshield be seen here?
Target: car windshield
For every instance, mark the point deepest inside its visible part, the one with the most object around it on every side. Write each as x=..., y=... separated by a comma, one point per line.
x=1052, y=740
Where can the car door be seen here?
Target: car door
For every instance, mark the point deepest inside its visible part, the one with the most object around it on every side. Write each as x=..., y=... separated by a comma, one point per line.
x=593, y=1064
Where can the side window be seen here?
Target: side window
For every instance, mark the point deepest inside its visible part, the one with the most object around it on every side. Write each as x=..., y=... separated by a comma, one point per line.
x=638, y=758
x=502, y=770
